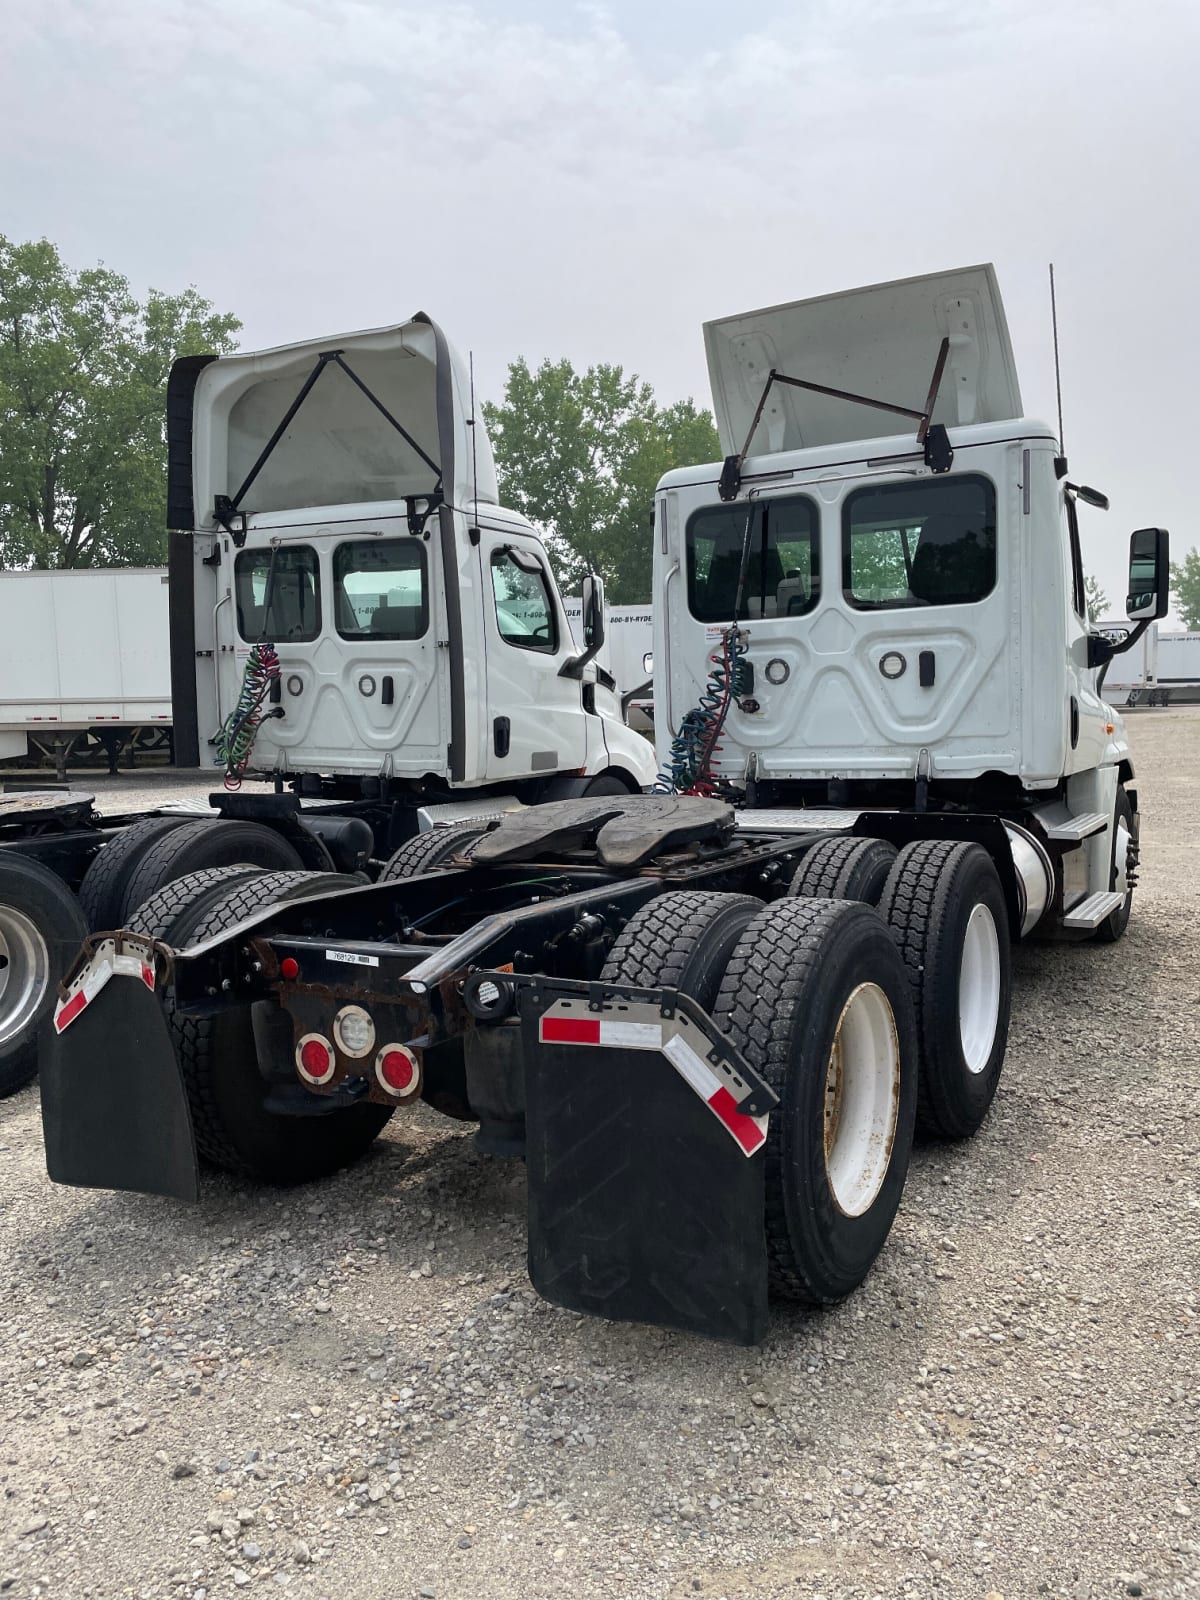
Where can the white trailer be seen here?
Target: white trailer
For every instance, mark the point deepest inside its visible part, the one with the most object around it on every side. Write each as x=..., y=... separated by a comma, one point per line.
x=83, y=654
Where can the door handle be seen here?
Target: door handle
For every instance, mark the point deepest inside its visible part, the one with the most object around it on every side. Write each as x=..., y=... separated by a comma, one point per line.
x=926, y=665
x=501, y=734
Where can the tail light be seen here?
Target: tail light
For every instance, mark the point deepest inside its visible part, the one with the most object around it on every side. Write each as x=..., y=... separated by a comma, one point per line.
x=315, y=1060
x=397, y=1071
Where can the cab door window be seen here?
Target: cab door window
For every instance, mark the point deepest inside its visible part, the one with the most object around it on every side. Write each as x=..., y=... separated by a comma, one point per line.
x=278, y=594
x=525, y=612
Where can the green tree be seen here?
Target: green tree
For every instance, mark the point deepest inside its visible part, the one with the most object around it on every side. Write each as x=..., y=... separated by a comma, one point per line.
x=83, y=372
x=1185, y=589
x=1097, y=600
x=579, y=453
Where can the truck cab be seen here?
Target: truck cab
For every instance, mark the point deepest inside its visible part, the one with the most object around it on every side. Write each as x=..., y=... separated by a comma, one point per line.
x=912, y=629
x=337, y=499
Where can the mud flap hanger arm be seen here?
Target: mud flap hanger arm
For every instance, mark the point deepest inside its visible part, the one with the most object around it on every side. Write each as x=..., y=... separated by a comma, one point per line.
x=938, y=453
x=226, y=508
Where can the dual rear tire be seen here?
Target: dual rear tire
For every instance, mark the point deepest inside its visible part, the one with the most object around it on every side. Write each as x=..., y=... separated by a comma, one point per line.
x=814, y=995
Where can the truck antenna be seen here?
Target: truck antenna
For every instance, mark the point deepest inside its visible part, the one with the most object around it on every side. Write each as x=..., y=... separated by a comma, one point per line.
x=1062, y=446
x=474, y=452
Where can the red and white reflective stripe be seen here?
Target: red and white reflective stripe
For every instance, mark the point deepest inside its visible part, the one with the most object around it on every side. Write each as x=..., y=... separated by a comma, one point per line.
x=749, y=1132
x=104, y=965
x=602, y=1030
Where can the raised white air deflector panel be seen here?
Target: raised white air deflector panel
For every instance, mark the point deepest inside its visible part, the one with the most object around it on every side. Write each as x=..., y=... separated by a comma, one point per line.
x=1090, y=913
x=881, y=341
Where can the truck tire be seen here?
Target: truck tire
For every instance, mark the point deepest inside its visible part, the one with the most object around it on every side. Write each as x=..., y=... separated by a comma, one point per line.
x=427, y=852
x=606, y=784
x=844, y=869
x=41, y=929
x=198, y=845
x=188, y=892
x=1111, y=929
x=217, y=1056
x=946, y=909
x=102, y=891
x=681, y=941
x=816, y=998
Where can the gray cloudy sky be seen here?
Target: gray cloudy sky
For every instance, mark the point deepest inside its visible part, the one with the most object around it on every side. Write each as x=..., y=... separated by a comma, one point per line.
x=549, y=178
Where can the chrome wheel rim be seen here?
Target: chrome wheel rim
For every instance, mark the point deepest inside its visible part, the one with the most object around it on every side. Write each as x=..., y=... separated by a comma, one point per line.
x=24, y=972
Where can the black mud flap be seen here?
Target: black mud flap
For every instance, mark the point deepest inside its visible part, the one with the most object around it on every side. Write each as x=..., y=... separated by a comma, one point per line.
x=642, y=1205
x=114, y=1109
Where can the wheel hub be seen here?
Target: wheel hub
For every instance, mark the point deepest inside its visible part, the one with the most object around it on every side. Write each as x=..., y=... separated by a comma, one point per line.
x=862, y=1100
x=979, y=989
x=24, y=971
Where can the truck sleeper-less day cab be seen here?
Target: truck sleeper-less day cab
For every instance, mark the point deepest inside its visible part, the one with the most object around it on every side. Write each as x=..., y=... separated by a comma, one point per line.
x=709, y=1021
x=336, y=502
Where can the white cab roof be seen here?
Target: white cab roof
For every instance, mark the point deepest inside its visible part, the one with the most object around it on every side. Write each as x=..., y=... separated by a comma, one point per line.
x=882, y=342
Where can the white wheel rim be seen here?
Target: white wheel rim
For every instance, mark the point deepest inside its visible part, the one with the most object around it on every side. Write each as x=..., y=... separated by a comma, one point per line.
x=24, y=971
x=1121, y=862
x=979, y=989
x=862, y=1100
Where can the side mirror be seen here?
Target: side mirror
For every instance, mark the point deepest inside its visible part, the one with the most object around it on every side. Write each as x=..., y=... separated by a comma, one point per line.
x=593, y=613
x=1149, y=596
x=648, y=662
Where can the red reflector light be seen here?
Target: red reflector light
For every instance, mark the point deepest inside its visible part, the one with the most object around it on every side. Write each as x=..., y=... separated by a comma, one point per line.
x=289, y=967
x=396, y=1069
x=315, y=1058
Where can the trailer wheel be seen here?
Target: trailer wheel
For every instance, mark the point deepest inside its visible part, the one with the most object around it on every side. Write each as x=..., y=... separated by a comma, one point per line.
x=198, y=845
x=680, y=941
x=844, y=869
x=217, y=1055
x=947, y=911
x=816, y=998
x=102, y=891
x=41, y=929
x=428, y=851
x=1111, y=929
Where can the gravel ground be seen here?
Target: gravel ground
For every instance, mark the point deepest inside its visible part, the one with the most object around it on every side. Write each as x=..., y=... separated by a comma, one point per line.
x=351, y=1389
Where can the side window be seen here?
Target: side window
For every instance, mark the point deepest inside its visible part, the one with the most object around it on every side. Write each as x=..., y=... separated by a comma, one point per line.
x=783, y=570
x=1078, y=588
x=278, y=594
x=380, y=589
x=931, y=543
x=524, y=608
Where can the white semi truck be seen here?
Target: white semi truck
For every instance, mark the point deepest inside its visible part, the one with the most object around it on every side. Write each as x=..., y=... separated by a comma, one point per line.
x=710, y=1018
x=353, y=615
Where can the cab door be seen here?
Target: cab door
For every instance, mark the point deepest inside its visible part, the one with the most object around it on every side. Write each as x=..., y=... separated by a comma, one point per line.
x=536, y=720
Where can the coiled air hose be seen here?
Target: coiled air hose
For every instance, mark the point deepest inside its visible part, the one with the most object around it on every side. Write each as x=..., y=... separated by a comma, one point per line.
x=238, y=732
x=690, y=760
